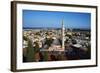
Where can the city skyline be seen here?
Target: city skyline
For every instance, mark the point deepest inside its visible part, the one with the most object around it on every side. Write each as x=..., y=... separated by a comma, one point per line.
x=48, y=19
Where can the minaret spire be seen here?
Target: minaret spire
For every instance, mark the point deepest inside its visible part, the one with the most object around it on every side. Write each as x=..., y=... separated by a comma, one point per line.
x=63, y=35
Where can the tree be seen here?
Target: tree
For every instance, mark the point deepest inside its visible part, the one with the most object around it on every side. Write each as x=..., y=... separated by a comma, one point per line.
x=30, y=52
x=36, y=47
x=45, y=56
x=25, y=38
x=49, y=41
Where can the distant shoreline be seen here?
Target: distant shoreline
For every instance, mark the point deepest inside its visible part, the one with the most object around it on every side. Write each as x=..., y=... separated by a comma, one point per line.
x=47, y=28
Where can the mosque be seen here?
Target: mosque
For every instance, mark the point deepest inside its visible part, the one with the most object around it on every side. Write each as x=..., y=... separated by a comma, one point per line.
x=55, y=45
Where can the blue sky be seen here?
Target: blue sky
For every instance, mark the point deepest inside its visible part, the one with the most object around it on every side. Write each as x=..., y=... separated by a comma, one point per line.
x=43, y=19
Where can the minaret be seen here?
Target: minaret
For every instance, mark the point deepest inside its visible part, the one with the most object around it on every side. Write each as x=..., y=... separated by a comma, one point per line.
x=63, y=47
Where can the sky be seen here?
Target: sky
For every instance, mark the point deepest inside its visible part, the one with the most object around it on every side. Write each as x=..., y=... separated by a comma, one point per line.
x=51, y=19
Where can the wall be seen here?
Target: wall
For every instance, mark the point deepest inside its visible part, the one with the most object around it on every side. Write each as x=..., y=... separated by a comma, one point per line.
x=5, y=37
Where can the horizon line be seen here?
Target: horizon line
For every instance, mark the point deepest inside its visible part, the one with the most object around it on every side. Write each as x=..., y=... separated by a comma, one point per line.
x=53, y=28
